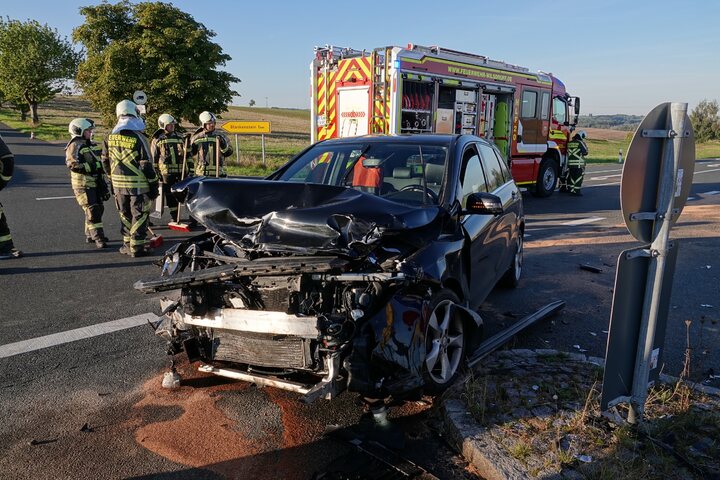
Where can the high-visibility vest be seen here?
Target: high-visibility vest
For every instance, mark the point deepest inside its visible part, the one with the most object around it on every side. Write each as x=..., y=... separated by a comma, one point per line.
x=82, y=157
x=167, y=152
x=131, y=170
x=7, y=164
x=203, y=145
x=576, y=158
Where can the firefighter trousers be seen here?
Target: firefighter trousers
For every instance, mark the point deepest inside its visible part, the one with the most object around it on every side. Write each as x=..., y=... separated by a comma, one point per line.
x=170, y=200
x=92, y=205
x=575, y=178
x=6, y=243
x=134, y=211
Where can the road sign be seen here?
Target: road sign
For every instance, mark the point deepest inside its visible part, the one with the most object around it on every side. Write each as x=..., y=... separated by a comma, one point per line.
x=625, y=319
x=248, y=128
x=139, y=97
x=643, y=171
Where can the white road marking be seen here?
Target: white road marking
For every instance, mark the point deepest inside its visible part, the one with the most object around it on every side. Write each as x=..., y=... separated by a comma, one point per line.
x=605, y=177
x=593, y=172
x=46, y=341
x=601, y=185
x=692, y=198
x=583, y=221
x=708, y=171
x=55, y=198
x=711, y=192
x=713, y=165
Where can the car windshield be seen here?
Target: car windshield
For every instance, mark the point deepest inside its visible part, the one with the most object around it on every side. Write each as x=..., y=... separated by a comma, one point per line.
x=402, y=172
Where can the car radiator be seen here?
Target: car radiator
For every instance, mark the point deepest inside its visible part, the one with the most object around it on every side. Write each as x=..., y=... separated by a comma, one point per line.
x=266, y=350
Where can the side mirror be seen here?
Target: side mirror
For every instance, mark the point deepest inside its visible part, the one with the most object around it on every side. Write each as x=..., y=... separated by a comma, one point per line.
x=576, y=104
x=483, y=203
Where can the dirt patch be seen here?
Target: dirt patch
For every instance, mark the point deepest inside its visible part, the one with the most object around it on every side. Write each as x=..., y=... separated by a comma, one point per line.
x=605, y=134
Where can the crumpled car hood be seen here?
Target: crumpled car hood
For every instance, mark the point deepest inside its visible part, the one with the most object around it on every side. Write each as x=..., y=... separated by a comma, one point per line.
x=288, y=216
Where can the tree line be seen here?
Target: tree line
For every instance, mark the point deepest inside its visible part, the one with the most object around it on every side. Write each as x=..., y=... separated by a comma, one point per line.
x=150, y=46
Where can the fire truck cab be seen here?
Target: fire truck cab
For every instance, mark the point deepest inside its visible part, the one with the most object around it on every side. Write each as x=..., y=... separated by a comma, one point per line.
x=396, y=90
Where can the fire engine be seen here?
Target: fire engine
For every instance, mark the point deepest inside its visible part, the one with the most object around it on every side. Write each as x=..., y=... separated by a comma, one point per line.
x=396, y=90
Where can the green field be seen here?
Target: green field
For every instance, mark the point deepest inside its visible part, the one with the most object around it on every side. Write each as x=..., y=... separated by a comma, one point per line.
x=606, y=151
x=290, y=134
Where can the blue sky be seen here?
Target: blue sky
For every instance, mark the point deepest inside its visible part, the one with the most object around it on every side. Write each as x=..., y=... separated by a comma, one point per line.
x=618, y=56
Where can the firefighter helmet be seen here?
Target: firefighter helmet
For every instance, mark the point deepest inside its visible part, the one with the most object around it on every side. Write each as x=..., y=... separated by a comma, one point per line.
x=78, y=126
x=207, y=117
x=165, y=119
x=126, y=107
x=582, y=134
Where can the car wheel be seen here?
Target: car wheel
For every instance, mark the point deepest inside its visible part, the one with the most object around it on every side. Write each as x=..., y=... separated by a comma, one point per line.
x=511, y=279
x=444, y=342
x=547, y=178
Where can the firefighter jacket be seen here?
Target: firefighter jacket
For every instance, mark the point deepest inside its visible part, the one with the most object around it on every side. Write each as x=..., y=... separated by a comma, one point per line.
x=131, y=169
x=577, y=149
x=203, y=145
x=7, y=164
x=167, y=153
x=83, y=158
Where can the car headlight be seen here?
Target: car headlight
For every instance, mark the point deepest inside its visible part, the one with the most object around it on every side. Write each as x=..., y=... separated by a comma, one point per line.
x=171, y=264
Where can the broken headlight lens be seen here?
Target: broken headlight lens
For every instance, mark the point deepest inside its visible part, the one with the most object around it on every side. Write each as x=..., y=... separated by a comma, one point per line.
x=171, y=265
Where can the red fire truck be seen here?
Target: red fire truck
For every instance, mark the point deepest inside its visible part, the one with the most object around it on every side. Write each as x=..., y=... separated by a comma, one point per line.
x=395, y=90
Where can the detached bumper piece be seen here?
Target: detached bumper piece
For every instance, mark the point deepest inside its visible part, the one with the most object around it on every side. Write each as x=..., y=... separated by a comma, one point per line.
x=244, y=268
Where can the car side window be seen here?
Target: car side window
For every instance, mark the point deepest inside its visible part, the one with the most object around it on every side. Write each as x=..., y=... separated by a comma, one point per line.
x=503, y=165
x=491, y=165
x=472, y=179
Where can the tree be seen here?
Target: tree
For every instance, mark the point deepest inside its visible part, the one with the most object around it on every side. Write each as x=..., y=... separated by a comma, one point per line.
x=156, y=48
x=34, y=63
x=251, y=102
x=705, y=121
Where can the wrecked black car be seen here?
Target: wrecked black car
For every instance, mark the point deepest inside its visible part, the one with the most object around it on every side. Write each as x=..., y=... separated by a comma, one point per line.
x=356, y=266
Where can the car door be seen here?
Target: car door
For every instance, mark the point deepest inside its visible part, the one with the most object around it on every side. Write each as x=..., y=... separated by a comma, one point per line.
x=477, y=229
x=504, y=232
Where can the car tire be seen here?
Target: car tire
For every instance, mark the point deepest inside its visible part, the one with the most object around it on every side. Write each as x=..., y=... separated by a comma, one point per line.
x=445, y=342
x=547, y=178
x=511, y=279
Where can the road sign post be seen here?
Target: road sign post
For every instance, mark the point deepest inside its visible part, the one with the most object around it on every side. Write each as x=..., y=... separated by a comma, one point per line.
x=656, y=180
x=247, y=128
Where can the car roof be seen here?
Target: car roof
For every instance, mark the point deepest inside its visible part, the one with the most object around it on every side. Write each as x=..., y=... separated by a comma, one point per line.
x=426, y=138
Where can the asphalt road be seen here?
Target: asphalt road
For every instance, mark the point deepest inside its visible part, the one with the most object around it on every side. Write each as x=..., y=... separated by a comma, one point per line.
x=92, y=408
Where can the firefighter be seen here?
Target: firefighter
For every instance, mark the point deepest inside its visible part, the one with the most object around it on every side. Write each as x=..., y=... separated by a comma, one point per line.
x=203, y=145
x=133, y=177
x=167, y=149
x=87, y=175
x=7, y=165
x=577, y=150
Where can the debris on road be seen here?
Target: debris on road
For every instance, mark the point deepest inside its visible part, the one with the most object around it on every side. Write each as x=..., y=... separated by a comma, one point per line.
x=590, y=268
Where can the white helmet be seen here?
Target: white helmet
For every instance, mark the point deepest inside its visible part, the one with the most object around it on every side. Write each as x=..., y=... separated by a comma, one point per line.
x=582, y=134
x=165, y=119
x=78, y=126
x=207, y=117
x=126, y=107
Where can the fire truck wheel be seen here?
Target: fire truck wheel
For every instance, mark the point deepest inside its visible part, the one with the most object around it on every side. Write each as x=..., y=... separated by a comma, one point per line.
x=547, y=178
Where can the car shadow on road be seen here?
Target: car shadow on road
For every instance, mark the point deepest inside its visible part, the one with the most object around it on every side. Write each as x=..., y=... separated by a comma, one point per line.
x=75, y=268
